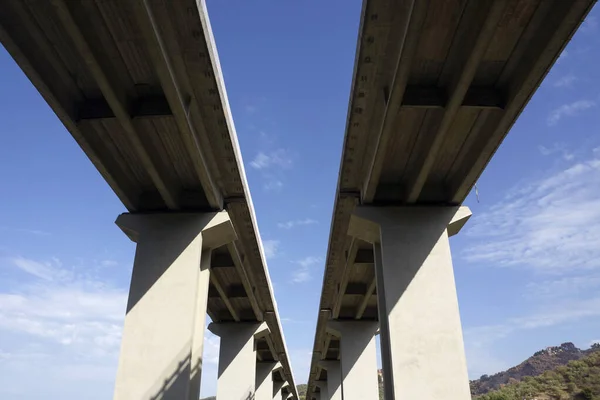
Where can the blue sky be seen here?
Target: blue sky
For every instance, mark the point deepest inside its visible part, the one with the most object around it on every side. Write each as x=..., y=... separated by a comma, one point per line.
x=527, y=264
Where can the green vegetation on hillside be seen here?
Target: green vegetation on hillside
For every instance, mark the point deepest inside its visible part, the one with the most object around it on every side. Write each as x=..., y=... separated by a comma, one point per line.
x=578, y=380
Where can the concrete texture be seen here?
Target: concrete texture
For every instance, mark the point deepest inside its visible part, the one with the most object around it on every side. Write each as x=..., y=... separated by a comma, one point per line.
x=237, y=359
x=161, y=349
x=421, y=336
x=264, y=380
x=358, y=358
x=334, y=379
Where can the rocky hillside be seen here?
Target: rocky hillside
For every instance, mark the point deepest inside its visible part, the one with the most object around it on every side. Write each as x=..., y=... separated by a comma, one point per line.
x=541, y=361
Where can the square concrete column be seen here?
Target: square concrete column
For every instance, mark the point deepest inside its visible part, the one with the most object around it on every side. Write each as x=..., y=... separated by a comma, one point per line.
x=163, y=333
x=277, y=389
x=422, y=346
x=237, y=358
x=358, y=358
x=264, y=380
x=323, y=394
x=334, y=379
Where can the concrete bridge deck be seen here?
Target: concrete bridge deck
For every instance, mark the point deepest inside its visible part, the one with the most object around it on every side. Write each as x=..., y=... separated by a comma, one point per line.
x=437, y=86
x=139, y=86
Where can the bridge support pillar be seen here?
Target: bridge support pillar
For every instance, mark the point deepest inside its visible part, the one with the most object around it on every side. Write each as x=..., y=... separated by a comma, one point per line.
x=358, y=355
x=163, y=333
x=422, y=346
x=237, y=358
x=334, y=379
x=323, y=394
x=277, y=389
x=264, y=380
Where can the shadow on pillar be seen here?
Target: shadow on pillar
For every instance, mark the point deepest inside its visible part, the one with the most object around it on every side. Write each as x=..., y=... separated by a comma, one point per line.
x=149, y=234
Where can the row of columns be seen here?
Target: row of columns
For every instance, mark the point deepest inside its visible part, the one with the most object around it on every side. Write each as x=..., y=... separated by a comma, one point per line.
x=163, y=334
x=422, y=348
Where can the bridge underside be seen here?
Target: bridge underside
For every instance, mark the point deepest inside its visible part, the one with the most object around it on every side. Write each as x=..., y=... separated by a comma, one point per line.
x=139, y=86
x=437, y=85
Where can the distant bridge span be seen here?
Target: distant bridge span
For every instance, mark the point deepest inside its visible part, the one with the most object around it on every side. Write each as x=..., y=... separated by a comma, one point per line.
x=139, y=86
x=437, y=85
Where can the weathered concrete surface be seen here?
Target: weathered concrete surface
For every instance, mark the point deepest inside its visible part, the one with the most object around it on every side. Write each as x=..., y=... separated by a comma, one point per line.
x=421, y=336
x=358, y=358
x=237, y=358
x=161, y=350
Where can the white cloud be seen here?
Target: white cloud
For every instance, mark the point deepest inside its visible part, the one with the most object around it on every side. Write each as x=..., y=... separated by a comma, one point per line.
x=41, y=270
x=566, y=81
x=303, y=273
x=64, y=327
x=275, y=159
x=299, y=222
x=35, y=232
x=270, y=247
x=559, y=313
x=596, y=341
x=562, y=287
x=551, y=225
x=556, y=148
x=273, y=184
x=569, y=110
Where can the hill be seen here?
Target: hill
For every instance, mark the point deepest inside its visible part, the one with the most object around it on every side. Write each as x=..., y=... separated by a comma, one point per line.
x=541, y=361
x=577, y=379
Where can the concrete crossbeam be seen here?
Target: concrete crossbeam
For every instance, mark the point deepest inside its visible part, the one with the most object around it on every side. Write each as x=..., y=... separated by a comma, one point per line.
x=264, y=380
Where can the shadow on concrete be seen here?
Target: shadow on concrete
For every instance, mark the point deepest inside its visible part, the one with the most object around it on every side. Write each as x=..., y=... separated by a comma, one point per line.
x=174, y=233
x=421, y=239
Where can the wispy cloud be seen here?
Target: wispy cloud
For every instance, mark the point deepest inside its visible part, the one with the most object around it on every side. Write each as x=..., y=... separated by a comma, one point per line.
x=298, y=222
x=64, y=326
x=271, y=247
x=590, y=25
x=303, y=272
x=560, y=313
x=566, y=81
x=44, y=270
x=276, y=159
x=569, y=110
x=550, y=225
x=35, y=232
x=272, y=184
x=556, y=148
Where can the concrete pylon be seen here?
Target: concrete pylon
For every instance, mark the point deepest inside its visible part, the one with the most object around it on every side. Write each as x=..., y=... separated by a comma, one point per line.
x=334, y=379
x=358, y=355
x=264, y=379
x=323, y=394
x=421, y=338
x=163, y=333
x=277, y=388
x=237, y=358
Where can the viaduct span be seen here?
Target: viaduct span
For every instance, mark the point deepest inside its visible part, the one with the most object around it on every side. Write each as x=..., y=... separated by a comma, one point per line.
x=437, y=85
x=138, y=85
